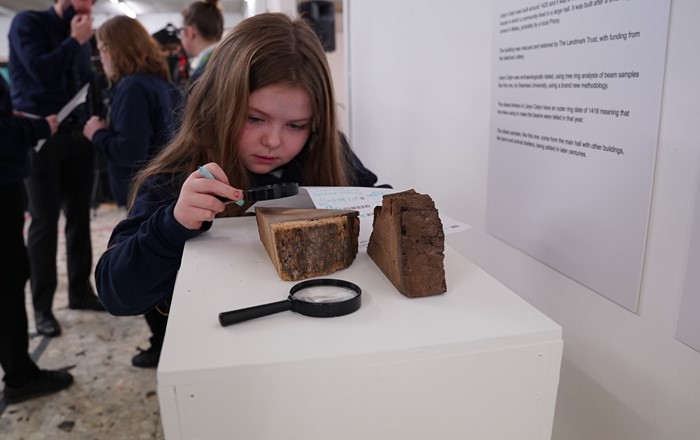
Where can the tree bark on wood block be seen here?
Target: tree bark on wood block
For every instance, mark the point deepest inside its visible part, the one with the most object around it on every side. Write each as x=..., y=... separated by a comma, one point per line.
x=408, y=243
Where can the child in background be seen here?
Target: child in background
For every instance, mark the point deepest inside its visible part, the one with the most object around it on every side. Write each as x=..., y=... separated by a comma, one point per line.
x=141, y=121
x=263, y=112
x=141, y=118
x=202, y=28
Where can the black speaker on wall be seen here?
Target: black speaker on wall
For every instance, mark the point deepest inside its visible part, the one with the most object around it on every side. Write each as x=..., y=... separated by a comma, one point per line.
x=321, y=16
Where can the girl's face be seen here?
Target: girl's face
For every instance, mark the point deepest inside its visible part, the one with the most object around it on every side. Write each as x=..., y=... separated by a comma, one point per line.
x=278, y=126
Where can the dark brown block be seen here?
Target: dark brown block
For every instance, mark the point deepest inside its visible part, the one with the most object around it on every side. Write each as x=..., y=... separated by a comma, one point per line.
x=408, y=244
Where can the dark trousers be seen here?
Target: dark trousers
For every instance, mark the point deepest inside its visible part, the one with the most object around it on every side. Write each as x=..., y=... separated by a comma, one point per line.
x=61, y=179
x=14, y=271
x=157, y=322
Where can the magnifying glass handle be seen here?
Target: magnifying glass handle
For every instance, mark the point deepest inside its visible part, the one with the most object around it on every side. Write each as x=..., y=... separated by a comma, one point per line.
x=240, y=315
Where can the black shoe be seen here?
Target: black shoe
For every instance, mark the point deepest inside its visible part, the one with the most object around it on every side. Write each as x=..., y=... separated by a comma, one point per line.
x=46, y=324
x=47, y=382
x=89, y=302
x=147, y=358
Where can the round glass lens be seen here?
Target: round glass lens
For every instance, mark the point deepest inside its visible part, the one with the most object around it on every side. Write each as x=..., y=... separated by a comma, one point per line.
x=325, y=294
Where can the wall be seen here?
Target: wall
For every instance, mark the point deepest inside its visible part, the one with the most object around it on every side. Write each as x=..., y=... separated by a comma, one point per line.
x=419, y=83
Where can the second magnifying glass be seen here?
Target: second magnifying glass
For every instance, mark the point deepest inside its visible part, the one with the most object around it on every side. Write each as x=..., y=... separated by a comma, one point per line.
x=321, y=298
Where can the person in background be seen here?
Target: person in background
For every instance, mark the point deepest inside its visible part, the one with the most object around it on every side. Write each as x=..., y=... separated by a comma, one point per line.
x=141, y=121
x=23, y=378
x=202, y=28
x=141, y=108
x=263, y=112
x=49, y=62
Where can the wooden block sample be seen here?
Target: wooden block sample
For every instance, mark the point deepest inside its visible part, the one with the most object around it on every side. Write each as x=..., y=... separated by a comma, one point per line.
x=408, y=243
x=305, y=243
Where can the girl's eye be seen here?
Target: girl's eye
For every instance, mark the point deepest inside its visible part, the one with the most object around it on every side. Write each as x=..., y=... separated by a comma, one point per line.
x=298, y=126
x=254, y=119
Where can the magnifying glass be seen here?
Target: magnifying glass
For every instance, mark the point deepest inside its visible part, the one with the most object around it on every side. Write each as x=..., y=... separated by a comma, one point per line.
x=321, y=298
x=269, y=192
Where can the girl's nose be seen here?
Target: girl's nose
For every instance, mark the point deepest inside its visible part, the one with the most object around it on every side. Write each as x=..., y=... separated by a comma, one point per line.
x=271, y=139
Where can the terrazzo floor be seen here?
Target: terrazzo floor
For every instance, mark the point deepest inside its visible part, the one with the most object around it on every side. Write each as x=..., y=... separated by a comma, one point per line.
x=110, y=398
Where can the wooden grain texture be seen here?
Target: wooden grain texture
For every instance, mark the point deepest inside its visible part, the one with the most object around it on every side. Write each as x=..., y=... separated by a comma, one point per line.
x=306, y=243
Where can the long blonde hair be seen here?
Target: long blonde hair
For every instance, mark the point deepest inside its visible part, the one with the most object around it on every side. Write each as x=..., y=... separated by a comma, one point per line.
x=260, y=51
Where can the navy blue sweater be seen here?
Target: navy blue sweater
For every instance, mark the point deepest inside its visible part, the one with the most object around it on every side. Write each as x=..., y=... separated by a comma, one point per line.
x=47, y=65
x=141, y=121
x=138, y=270
x=18, y=135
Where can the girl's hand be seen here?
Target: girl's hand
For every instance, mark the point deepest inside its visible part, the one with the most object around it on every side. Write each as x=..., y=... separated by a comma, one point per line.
x=92, y=126
x=197, y=202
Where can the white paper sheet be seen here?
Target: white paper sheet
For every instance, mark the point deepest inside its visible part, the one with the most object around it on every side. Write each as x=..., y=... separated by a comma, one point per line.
x=576, y=99
x=62, y=114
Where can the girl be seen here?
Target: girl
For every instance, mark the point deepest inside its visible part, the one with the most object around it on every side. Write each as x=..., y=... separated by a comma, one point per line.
x=262, y=112
x=142, y=104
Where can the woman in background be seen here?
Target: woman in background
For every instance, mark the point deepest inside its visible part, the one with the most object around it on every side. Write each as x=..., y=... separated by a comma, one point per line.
x=140, y=123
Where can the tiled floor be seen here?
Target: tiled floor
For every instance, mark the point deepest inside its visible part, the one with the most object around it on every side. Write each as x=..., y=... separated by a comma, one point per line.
x=110, y=399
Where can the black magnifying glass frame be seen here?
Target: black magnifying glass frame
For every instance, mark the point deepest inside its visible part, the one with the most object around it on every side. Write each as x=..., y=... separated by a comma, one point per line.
x=270, y=192
x=266, y=192
x=307, y=308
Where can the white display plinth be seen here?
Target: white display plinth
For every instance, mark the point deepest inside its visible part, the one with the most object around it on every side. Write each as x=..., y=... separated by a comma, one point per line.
x=477, y=362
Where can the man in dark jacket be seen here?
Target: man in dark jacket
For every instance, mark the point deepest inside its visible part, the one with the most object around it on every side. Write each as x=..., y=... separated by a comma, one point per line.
x=23, y=379
x=49, y=63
